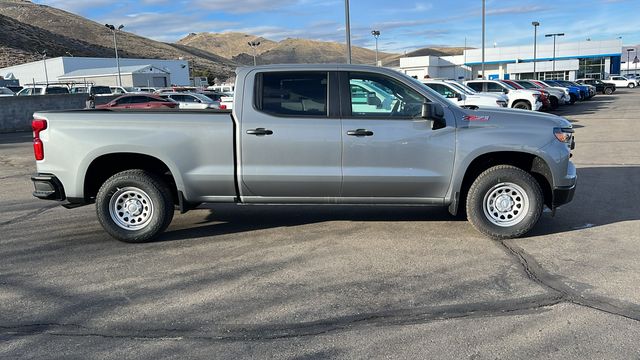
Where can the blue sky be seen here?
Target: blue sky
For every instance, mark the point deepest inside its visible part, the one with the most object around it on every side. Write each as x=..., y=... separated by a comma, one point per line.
x=405, y=24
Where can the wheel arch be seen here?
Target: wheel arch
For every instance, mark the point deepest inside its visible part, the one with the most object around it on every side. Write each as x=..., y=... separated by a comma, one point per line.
x=528, y=162
x=103, y=167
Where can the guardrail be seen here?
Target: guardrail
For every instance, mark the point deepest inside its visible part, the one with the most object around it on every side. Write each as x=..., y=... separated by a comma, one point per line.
x=16, y=112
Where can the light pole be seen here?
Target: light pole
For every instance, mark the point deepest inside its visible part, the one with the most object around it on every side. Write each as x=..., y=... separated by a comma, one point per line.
x=376, y=34
x=554, y=48
x=44, y=62
x=254, y=44
x=535, y=40
x=115, y=45
x=483, y=14
x=347, y=30
x=636, y=61
x=629, y=58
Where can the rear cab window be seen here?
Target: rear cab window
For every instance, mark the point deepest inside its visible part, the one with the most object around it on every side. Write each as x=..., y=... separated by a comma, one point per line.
x=300, y=94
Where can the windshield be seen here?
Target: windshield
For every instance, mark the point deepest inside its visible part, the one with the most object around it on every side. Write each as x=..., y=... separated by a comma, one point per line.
x=465, y=89
x=526, y=85
x=6, y=91
x=432, y=93
x=101, y=90
x=202, y=98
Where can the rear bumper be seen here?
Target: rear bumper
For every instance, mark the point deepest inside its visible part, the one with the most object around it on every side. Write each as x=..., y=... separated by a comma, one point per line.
x=48, y=187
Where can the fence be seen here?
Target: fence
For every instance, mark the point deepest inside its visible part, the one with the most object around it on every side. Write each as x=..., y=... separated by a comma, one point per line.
x=16, y=112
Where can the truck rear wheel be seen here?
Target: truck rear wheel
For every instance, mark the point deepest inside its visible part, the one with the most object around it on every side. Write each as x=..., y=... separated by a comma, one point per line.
x=608, y=91
x=134, y=206
x=504, y=202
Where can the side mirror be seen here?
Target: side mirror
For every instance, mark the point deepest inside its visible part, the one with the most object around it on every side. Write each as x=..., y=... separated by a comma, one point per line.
x=460, y=97
x=373, y=100
x=435, y=113
x=506, y=91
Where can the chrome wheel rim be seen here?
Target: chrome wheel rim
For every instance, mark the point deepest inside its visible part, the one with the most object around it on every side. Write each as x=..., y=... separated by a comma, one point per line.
x=505, y=204
x=131, y=208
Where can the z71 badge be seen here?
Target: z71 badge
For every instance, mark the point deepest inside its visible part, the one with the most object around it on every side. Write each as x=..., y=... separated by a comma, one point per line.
x=475, y=118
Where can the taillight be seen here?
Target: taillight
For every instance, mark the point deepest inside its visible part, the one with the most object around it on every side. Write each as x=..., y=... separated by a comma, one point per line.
x=223, y=107
x=38, y=147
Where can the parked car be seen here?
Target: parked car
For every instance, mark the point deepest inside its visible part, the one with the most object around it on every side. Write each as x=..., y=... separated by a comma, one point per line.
x=566, y=94
x=498, y=96
x=585, y=91
x=117, y=90
x=557, y=96
x=462, y=97
x=518, y=99
x=139, y=101
x=621, y=81
x=42, y=90
x=6, y=92
x=544, y=95
x=574, y=91
x=15, y=89
x=294, y=138
x=192, y=100
x=95, y=90
x=601, y=86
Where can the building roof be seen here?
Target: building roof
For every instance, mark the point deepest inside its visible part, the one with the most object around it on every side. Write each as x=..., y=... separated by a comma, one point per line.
x=111, y=71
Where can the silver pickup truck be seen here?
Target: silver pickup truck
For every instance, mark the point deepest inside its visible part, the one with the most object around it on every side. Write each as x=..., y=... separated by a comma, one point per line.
x=308, y=134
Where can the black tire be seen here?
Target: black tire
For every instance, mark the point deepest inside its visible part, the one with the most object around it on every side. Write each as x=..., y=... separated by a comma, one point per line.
x=554, y=102
x=608, y=91
x=521, y=199
x=143, y=193
x=522, y=105
x=572, y=99
x=631, y=86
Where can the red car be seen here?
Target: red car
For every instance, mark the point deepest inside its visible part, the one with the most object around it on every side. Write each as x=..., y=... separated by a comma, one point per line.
x=139, y=101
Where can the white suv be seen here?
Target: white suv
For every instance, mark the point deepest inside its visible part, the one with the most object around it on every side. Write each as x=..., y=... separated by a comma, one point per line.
x=621, y=81
x=518, y=98
x=462, y=97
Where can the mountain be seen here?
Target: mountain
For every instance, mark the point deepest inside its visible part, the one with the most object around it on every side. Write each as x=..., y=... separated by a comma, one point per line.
x=29, y=28
x=234, y=46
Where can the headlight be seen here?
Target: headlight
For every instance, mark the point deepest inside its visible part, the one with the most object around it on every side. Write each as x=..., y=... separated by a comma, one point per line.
x=564, y=135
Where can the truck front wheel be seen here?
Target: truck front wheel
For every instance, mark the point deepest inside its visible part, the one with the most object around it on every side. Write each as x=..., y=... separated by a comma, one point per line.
x=504, y=202
x=134, y=206
x=522, y=105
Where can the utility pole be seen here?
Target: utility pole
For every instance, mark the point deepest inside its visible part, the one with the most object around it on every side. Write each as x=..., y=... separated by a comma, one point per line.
x=115, y=45
x=44, y=62
x=535, y=39
x=376, y=34
x=254, y=44
x=629, y=59
x=347, y=30
x=483, y=28
x=554, y=48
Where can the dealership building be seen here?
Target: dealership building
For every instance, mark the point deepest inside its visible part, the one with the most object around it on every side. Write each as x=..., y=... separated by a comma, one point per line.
x=569, y=61
x=101, y=71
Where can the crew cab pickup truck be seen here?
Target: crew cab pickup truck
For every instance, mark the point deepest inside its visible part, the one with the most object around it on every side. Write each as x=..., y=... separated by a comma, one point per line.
x=308, y=134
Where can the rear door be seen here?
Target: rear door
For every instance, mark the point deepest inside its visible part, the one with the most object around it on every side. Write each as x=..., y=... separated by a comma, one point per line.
x=391, y=154
x=290, y=142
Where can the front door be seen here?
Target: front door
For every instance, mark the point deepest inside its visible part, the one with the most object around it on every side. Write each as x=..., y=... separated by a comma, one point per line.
x=290, y=139
x=390, y=153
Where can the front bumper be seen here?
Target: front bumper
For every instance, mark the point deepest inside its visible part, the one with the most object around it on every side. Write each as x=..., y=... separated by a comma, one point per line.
x=48, y=187
x=563, y=195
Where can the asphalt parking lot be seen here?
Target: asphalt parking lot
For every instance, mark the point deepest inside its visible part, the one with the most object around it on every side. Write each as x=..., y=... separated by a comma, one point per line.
x=334, y=282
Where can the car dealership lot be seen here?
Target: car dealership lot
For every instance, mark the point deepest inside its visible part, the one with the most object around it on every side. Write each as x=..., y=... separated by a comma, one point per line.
x=317, y=282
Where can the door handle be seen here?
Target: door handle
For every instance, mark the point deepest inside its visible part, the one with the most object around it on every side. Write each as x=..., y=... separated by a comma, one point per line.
x=360, y=132
x=260, y=132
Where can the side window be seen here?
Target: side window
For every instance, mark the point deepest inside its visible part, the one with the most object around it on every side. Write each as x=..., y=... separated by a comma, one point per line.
x=138, y=99
x=189, y=98
x=124, y=100
x=386, y=97
x=443, y=90
x=477, y=86
x=493, y=87
x=292, y=93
